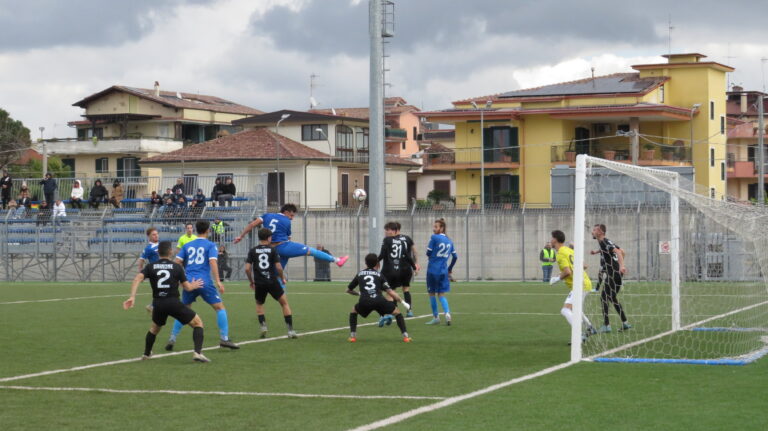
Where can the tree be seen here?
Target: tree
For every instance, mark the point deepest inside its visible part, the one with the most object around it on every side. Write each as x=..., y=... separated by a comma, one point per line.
x=14, y=138
x=34, y=169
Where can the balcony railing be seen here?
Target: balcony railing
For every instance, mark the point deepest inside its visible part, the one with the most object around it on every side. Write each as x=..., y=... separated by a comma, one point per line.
x=649, y=154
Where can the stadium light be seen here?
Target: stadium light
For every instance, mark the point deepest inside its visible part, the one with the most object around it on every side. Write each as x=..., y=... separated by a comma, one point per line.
x=277, y=144
x=330, y=167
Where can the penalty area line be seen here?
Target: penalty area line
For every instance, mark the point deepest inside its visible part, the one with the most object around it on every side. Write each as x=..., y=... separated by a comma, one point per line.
x=227, y=393
x=457, y=399
x=182, y=352
x=30, y=301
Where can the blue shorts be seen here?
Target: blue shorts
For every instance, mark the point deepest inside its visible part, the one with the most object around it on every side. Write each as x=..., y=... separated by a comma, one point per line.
x=438, y=283
x=289, y=249
x=209, y=293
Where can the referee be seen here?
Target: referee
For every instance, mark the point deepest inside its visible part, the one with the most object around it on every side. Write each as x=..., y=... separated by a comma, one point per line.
x=164, y=277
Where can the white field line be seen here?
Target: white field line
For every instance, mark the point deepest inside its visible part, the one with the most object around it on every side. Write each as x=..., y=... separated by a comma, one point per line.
x=254, y=394
x=163, y=355
x=66, y=299
x=453, y=400
x=664, y=334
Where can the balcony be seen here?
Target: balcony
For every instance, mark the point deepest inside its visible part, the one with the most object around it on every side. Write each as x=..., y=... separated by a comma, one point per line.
x=395, y=135
x=111, y=146
x=650, y=154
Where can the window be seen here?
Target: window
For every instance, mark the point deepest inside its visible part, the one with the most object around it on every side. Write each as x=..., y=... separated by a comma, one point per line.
x=403, y=145
x=711, y=109
x=128, y=167
x=102, y=165
x=190, y=184
x=712, y=157
x=163, y=130
x=345, y=143
x=501, y=144
x=413, y=136
x=362, y=146
x=722, y=124
x=84, y=134
x=712, y=192
x=722, y=171
x=502, y=189
x=309, y=132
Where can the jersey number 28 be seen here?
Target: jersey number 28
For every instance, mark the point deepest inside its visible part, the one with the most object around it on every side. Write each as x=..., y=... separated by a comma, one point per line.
x=195, y=255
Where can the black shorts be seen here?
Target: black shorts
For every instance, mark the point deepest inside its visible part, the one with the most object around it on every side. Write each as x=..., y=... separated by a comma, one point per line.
x=273, y=289
x=164, y=307
x=380, y=305
x=400, y=278
x=612, y=282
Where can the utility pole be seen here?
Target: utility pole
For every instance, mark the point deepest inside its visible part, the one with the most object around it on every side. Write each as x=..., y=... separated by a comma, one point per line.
x=377, y=187
x=45, y=151
x=760, y=151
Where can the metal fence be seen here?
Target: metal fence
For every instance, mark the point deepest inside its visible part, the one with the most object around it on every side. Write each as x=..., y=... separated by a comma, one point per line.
x=502, y=244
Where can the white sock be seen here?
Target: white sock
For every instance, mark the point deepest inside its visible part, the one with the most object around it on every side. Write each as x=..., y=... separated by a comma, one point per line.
x=568, y=314
x=586, y=320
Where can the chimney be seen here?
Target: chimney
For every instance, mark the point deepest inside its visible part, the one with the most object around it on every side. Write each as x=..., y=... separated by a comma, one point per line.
x=743, y=100
x=157, y=89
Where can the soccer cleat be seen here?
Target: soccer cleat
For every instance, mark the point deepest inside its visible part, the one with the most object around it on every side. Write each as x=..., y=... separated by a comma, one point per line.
x=448, y=319
x=385, y=320
x=145, y=357
x=228, y=344
x=407, y=339
x=263, y=331
x=342, y=260
x=169, y=345
x=604, y=329
x=591, y=330
x=389, y=319
x=434, y=321
x=409, y=313
x=199, y=357
x=625, y=327
x=351, y=339
x=292, y=334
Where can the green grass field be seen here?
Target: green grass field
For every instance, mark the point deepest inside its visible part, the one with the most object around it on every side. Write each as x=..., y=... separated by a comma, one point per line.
x=501, y=331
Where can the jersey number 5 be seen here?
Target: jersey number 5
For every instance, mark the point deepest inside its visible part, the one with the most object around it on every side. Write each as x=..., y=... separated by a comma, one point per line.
x=273, y=225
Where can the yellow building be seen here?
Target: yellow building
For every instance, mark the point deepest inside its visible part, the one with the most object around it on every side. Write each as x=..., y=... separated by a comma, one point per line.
x=669, y=115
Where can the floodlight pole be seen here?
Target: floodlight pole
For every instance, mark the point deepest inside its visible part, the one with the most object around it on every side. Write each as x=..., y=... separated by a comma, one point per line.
x=377, y=186
x=45, y=151
x=330, y=168
x=760, y=151
x=277, y=145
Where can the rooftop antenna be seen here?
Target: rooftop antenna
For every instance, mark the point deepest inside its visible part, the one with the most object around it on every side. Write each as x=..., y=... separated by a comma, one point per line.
x=728, y=57
x=669, y=35
x=593, y=76
x=333, y=111
x=762, y=70
x=312, y=85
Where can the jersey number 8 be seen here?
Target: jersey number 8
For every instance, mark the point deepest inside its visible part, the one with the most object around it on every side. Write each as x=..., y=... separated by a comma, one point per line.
x=263, y=261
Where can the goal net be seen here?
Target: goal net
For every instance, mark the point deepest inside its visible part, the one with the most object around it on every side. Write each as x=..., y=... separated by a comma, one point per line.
x=694, y=289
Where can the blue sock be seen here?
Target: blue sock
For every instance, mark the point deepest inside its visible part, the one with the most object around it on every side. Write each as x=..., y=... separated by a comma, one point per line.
x=433, y=304
x=444, y=303
x=176, y=329
x=221, y=320
x=280, y=282
x=321, y=255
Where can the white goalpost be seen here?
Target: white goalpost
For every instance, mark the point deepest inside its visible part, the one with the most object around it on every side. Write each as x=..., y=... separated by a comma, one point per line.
x=695, y=288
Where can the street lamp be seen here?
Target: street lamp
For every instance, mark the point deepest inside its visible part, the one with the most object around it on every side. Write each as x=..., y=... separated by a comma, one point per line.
x=330, y=167
x=488, y=104
x=45, y=151
x=277, y=144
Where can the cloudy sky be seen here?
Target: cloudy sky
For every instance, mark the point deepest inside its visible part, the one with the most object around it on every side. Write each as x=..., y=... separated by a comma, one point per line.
x=261, y=53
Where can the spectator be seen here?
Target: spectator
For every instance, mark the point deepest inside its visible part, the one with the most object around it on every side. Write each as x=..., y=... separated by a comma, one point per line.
x=218, y=230
x=322, y=267
x=59, y=209
x=228, y=192
x=178, y=188
x=49, y=187
x=43, y=213
x=199, y=199
x=76, y=197
x=98, y=195
x=12, y=207
x=117, y=194
x=223, y=262
x=547, y=257
x=169, y=195
x=155, y=201
x=24, y=203
x=178, y=194
x=6, y=186
x=182, y=210
x=216, y=192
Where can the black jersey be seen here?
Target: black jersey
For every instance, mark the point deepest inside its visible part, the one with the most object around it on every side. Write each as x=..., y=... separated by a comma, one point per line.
x=263, y=259
x=164, y=276
x=371, y=283
x=396, y=254
x=609, y=261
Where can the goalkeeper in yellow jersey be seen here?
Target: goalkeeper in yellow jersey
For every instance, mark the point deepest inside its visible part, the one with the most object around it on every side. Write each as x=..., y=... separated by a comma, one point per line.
x=565, y=263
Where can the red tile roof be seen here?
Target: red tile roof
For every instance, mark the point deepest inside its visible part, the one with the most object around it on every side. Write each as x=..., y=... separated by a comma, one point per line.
x=169, y=98
x=254, y=144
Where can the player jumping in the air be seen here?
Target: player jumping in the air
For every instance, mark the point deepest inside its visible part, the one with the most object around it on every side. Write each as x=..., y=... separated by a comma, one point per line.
x=165, y=277
x=565, y=263
x=440, y=248
x=398, y=264
x=280, y=225
x=372, y=287
x=200, y=256
x=263, y=270
x=612, y=266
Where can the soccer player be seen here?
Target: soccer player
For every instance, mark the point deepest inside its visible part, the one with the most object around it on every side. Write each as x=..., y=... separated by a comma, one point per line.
x=398, y=265
x=200, y=256
x=280, y=225
x=565, y=263
x=612, y=265
x=189, y=235
x=439, y=271
x=164, y=277
x=263, y=270
x=150, y=254
x=372, y=287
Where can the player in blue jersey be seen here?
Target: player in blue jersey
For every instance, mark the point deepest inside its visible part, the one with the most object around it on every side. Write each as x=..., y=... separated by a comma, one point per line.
x=280, y=225
x=200, y=260
x=149, y=254
x=440, y=248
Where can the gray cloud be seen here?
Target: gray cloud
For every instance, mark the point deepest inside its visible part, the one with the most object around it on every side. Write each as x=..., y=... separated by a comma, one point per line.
x=46, y=23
